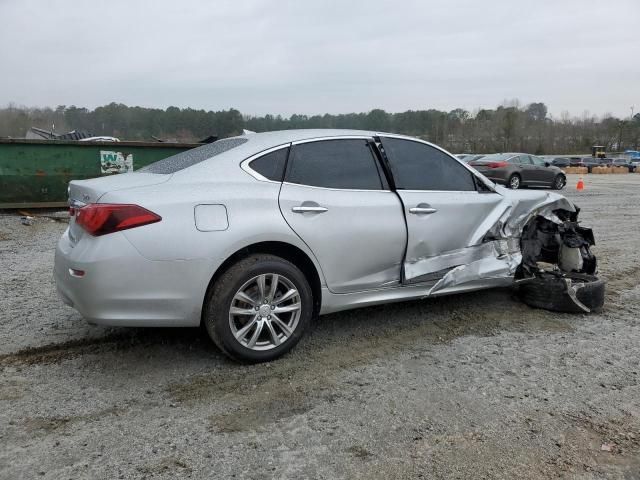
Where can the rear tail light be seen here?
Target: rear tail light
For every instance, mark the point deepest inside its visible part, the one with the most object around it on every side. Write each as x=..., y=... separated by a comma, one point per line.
x=103, y=218
x=497, y=164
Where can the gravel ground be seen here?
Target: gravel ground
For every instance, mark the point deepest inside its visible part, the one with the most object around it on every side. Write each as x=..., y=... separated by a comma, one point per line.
x=469, y=386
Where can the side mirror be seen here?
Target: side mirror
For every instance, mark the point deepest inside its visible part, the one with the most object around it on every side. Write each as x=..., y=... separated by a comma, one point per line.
x=547, y=164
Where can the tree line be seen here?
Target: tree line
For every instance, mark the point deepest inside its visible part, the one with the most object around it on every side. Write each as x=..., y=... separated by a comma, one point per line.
x=509, y=127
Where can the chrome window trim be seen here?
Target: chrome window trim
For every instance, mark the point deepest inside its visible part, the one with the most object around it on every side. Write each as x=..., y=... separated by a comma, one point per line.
x=244, y=165
x=336, y=137
x=335, y=189
x=466, y=192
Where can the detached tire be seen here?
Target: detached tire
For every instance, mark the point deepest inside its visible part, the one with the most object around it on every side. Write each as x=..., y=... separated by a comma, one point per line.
x=258, y=309
x=573, y=293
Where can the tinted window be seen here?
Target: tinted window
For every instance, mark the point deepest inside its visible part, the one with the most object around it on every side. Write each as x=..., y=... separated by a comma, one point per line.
x=189, y=158
x=525, y=160
x=334, y=164
x=271, y=165
x=538, y=161
x=417, y=166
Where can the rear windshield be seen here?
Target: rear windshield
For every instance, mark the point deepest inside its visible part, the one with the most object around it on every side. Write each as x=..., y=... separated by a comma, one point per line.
x=189, y=158
x=496, y=157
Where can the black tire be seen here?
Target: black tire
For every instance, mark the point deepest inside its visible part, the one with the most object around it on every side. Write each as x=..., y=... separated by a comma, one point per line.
x=559, y=182
x=550, y=292
x=216, y=318
x=514, y=182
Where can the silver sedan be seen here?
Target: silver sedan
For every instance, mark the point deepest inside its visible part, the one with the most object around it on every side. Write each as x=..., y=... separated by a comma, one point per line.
x=254, y=235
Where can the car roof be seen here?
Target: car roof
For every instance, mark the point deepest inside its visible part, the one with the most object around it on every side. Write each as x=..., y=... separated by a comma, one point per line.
x=280, y=137
x=256, y=143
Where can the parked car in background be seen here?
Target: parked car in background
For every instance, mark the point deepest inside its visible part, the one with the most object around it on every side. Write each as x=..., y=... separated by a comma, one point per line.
x=560, y=162
x=623, y=162
x=589, y=162
x=517, y=170
x=254, y=235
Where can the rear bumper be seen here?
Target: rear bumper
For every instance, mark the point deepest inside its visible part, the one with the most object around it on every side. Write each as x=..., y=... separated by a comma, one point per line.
x=122, y=288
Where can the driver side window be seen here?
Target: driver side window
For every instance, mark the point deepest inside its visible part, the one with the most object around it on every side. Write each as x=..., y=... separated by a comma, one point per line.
x=418, y=166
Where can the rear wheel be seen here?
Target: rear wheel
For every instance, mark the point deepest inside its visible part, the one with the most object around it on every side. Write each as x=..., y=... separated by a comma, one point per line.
x=259, y=308
x=559, y=182
x=514, y=182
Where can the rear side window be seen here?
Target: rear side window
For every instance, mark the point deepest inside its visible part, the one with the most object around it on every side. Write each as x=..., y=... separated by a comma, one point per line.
x=525, y=160
x=417, y=166
x=271, y=165
x=346, y=164
x=189, y=158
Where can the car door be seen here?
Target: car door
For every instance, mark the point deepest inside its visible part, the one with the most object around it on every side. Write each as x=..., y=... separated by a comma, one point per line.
x=543, y=175
x=337, y=200
x=527, y=169
x=445, y=210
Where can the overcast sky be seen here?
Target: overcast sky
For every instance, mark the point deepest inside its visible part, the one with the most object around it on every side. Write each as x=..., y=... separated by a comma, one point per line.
x=315, y=56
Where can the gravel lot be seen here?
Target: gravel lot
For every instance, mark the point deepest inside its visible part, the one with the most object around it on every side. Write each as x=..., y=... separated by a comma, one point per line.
x=469, y=386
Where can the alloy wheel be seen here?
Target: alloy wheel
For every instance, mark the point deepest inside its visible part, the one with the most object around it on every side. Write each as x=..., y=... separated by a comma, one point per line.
x=514, y=182
x=265, y=312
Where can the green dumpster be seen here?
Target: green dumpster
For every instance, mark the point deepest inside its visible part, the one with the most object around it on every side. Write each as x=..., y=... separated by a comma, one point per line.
x=36, y=173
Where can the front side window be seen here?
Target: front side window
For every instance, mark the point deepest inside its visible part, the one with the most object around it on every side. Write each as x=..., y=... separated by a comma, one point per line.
x=418, y=166
x=347, y=163
x=538, y=161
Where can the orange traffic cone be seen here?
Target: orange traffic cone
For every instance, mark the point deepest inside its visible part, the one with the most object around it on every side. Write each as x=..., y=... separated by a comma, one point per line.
x=580, y=185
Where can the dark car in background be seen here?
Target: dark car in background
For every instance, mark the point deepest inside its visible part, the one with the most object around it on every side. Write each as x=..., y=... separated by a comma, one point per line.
x=590, y=162
x=561, y=162
x=623, y=162
x=517, y=170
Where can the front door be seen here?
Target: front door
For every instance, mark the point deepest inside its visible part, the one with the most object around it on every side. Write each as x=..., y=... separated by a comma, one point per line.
x=445, y=211
x=338, y=202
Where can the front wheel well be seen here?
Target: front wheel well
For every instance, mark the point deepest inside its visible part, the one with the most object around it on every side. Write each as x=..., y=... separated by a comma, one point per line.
x=281, y=249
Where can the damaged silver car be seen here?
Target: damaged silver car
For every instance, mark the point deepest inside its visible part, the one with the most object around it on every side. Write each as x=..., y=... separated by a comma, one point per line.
x=252, y=236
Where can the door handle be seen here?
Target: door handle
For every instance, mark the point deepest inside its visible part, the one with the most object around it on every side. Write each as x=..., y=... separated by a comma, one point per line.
x=308, y=209
x=422, y=210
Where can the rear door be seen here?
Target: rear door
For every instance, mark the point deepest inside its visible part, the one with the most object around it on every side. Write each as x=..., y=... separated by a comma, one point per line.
x=444, y=209
x=336, y=199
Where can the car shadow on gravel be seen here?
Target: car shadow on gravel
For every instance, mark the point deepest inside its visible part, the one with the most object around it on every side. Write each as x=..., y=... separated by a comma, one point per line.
x=372, y=329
